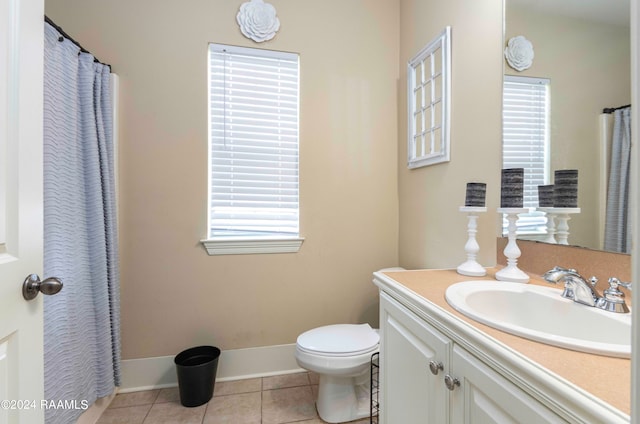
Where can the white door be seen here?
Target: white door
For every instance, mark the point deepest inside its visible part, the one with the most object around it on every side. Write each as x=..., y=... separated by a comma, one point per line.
x=21, y=63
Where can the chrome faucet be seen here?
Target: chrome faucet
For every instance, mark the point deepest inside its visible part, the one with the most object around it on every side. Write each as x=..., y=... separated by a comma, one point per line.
x=582, y=291
x=576, y=288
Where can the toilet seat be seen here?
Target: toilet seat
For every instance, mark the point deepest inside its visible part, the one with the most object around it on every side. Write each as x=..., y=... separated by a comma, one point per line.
x=339, y=340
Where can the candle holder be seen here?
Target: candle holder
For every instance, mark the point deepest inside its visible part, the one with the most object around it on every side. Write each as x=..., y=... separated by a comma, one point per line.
x=471, y=267
x=551, y=224
x=511, y=272
x=562, y=229
x=558, y=234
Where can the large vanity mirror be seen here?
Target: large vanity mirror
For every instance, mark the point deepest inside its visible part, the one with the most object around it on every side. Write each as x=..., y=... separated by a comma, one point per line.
x=582, y=50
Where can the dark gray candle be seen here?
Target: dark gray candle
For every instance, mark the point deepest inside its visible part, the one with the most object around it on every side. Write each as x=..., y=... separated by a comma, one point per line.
x=565, y=188
x=512, y=187
x=476, y=193
x=545, y=196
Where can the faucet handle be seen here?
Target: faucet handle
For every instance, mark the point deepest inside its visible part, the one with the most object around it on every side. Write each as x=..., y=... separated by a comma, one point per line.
x=593, y=280
x=613, y=299
x=614, y=283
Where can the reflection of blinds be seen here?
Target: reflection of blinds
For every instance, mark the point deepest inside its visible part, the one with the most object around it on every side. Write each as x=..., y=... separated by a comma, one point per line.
x=525, y=140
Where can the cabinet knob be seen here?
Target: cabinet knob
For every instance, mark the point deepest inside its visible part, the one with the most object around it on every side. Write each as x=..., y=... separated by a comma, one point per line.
x=435, y=367
x=451, y=382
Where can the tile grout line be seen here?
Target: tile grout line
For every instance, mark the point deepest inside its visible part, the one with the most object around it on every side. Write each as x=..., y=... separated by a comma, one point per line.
x=263, y=388
x=149, y=411
x=205, y=410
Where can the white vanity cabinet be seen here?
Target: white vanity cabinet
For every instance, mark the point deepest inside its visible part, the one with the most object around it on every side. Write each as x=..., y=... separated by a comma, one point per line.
x=439, y=368
x=410, y=391
x=427, y=378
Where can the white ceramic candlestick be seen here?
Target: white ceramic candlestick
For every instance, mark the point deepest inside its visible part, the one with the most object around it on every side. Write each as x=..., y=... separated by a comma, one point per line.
x=471, y=267
x=558, y=233
x=511, y=272
x=562, y=230
x=551, y=224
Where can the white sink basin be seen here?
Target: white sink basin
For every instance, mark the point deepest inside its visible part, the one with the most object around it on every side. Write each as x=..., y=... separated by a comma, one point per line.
x=540, y=313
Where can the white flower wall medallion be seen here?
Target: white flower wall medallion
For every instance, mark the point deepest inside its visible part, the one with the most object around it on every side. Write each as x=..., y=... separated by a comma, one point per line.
x=519, y=53
x=258, y=20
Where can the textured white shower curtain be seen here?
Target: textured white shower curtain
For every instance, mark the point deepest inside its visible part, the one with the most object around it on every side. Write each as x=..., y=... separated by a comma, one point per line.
x=617, y=235
x=81, y=323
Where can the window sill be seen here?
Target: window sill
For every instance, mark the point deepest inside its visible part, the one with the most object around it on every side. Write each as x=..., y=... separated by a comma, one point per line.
x=248, y=245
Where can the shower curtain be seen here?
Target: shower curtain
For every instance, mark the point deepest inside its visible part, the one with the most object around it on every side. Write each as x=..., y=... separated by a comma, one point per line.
x=617, y=228
x=81, y=323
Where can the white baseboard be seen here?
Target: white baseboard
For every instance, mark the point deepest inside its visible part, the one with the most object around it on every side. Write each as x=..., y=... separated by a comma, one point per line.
x=237, y=364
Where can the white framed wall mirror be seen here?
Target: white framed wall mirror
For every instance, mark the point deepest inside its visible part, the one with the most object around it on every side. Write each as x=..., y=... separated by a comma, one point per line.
x=583, y=49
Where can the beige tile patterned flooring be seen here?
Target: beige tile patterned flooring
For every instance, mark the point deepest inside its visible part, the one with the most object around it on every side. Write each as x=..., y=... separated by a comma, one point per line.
x=269, y=400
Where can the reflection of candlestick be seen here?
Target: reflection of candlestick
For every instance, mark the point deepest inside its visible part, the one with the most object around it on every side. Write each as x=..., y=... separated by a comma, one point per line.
x=551, y=227
x=545, y=196
x=511, y=272
x=558, y=234
x=562, y=232
x=471, y=267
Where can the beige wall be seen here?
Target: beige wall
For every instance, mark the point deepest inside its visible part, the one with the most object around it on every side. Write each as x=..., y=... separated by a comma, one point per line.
x=432, y=230
x=173, y=294
x=588, y=64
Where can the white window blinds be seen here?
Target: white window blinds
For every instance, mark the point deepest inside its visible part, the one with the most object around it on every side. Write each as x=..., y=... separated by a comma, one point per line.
x=525, y=141
x=253, y=132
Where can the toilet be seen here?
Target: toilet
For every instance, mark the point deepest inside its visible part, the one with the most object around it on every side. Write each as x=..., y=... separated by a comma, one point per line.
x=341, y=355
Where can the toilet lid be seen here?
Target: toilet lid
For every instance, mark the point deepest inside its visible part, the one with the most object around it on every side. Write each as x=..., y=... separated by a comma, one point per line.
x=339, y=339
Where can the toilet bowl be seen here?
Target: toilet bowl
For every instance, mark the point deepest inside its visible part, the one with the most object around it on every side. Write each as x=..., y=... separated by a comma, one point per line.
x=341, y=355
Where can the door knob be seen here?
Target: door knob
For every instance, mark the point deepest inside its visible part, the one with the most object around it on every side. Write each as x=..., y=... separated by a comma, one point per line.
x=32, y=286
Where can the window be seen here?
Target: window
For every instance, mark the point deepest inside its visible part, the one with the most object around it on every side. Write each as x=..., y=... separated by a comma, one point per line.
x=429, y=87
x=253, y=145
x=525, y=142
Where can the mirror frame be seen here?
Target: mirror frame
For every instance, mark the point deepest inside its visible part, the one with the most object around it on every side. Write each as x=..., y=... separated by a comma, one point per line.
x=635, y=213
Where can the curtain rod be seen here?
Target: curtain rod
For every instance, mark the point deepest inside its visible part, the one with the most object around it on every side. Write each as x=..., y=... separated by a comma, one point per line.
x=68, y=37
x=613, y=109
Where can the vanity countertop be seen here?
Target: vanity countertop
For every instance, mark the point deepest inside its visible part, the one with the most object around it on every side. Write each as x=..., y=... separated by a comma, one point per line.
x=604, y=377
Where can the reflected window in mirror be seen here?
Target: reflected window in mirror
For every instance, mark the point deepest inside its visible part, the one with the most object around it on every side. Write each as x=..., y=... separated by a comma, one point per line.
x=525, y=144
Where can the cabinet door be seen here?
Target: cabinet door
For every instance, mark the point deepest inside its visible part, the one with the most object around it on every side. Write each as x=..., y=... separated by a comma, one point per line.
x=410, y=392
x=485, y=397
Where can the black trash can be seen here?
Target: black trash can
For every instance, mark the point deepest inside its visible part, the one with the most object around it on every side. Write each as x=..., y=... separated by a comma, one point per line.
x=196, y=368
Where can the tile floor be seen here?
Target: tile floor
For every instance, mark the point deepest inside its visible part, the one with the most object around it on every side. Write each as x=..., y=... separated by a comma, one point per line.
x=269, y=400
